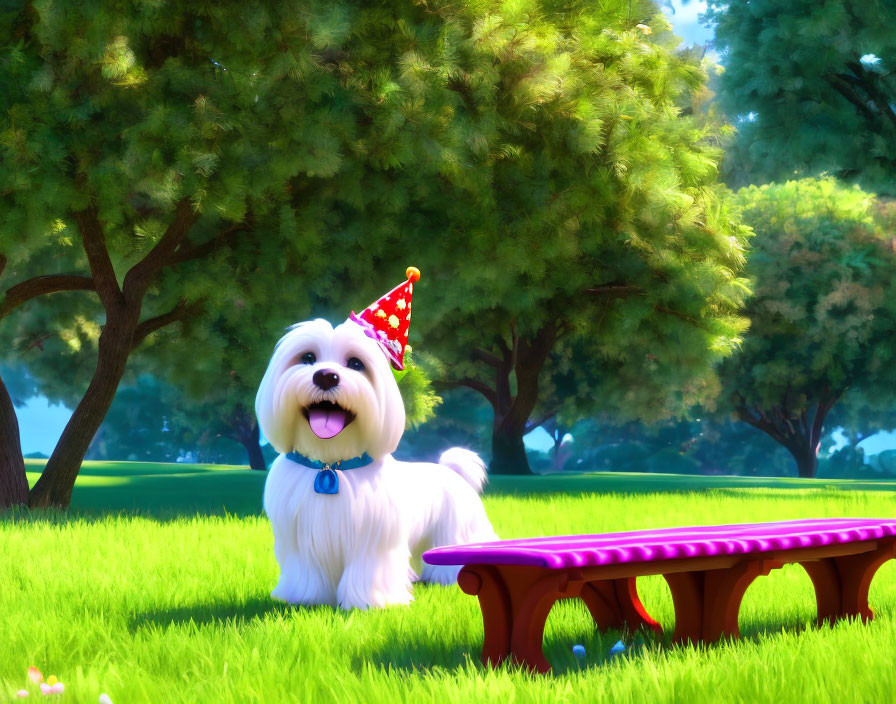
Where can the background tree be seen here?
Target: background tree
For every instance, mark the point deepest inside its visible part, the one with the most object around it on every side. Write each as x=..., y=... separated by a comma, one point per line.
x=596, y=208
x=132, y=140
x=16, y=390
x=823, y=313
x=818, y=81
x=157, y=158
x=168, y=150
x=142, y=424
x=463, y=419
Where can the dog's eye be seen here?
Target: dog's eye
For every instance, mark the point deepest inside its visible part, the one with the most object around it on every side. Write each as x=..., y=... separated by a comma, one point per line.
x=308, y=358
x=356, y=364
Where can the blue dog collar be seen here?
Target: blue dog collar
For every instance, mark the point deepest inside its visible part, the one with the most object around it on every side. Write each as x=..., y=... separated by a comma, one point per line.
x=327, y=481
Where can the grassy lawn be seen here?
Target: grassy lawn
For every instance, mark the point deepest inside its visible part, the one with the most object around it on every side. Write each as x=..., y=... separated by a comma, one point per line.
x=156, y=589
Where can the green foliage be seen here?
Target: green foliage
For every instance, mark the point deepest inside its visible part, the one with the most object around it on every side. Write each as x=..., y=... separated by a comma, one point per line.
x=462, y=419
x=824, y=304
x=795, y=64
x=699, y=445
x=583, y=174
x=152, y=421
x=20, y=385
x=520, y=154
x=415, y=385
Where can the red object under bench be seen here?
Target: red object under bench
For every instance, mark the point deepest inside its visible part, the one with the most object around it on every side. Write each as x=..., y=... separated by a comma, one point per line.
x=707, y=568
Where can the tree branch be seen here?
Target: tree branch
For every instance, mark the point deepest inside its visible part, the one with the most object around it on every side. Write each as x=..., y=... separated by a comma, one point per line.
x=181, y=311
x=515, y=339
x=38, y=341
x=93, y=240
x=138, y=279
x=759, y=420
x=533, y=424
x=187, y=252
x=866, y=80
x=41, y=285
x=828, y=401
x=563, y=329
x=681, y=316
x=490, y=395
x=765, y=426
x=614, y=290
x=487, y=357
x=838, y=84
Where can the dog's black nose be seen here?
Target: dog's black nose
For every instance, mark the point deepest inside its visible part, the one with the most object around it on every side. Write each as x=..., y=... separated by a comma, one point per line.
x=325, y=379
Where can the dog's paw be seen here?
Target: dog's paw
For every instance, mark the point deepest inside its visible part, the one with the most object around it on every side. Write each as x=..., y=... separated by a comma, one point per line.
x=376, y=602
x=440, y=574
x=307, y=592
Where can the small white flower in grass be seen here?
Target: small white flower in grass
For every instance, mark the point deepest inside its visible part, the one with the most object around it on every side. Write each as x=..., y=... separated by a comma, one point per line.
x=644, y=29
x=35, y=675
x=104, y=699
x=22, y=693
x=52, y=686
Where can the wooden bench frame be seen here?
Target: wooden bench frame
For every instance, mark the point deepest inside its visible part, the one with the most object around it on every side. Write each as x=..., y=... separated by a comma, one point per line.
x=706, y=594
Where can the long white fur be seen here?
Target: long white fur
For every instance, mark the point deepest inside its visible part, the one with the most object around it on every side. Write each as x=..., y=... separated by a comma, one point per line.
x=355, y=549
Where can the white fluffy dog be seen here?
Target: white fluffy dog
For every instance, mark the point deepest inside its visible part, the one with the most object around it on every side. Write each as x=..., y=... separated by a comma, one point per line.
x=330, y=395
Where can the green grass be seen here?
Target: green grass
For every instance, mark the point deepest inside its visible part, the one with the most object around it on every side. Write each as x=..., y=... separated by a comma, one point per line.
x=155, y=588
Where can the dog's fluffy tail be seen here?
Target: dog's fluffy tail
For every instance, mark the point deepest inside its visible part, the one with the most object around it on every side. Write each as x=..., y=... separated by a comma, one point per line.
x=467, y=464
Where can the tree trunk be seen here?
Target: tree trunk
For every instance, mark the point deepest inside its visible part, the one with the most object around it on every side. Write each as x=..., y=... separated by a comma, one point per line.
x=244, y=429
x=122, y=332
x=806, y=462
x=558, y=456
x=13, y=482
x=512, y=412
x=508, y=452
x=525, y=360
x=253, y=447
x=800, y=433
x=54, y=488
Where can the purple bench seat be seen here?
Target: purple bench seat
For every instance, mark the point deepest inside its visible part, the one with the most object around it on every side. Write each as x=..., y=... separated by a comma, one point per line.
x=708, y=569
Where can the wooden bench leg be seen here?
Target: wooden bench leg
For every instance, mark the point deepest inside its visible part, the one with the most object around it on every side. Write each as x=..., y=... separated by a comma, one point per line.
x=530, y=612
x=842, y=583
x=707, y=603
x=614, y=603
x=487, y=583
x=515, y=603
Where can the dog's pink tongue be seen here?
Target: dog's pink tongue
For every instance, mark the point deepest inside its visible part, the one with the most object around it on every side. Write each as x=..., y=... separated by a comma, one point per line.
x=326, y=424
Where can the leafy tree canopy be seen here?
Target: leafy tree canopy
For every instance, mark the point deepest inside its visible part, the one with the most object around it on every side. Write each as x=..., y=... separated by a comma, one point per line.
x=823, y=312
x=818, y=80
x=529, y=157
x=610, y=245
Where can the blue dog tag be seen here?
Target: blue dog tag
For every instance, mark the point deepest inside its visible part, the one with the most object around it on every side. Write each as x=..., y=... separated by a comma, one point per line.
x=326, y=482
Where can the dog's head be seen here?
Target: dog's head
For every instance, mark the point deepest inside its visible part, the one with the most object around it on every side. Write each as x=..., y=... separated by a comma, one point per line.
x=329, y=394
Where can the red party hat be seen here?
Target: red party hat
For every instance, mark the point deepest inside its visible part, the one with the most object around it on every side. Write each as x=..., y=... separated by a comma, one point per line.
x=388, y=319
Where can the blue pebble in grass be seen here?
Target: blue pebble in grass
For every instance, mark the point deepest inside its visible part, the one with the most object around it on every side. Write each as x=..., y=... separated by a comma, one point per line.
x=578, y=651
x=618, y=648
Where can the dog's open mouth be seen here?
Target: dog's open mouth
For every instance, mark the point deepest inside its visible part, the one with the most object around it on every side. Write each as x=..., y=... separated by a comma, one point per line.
x=327, y=419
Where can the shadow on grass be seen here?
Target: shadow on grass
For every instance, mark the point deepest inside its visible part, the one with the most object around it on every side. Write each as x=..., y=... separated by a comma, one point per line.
x=412, y=652
x=236, y=614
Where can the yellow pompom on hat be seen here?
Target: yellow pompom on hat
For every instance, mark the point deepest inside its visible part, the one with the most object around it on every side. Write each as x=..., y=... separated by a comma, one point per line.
x=388, y=319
